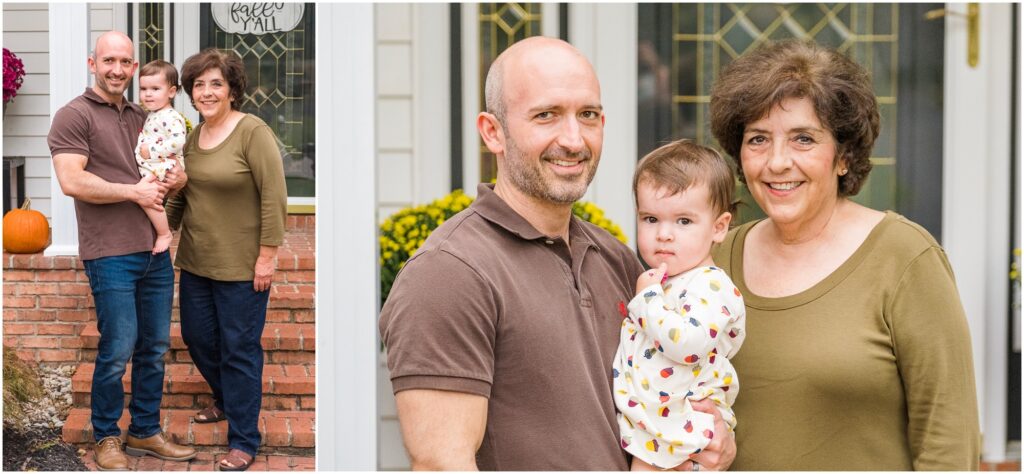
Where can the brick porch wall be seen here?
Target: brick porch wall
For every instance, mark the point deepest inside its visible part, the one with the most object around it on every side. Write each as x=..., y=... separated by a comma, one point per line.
x=47, y=302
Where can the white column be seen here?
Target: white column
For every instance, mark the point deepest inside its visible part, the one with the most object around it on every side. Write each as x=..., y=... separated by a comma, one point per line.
x=347, y=274
x=69, y=76
x=606, y=33
x=976, y=198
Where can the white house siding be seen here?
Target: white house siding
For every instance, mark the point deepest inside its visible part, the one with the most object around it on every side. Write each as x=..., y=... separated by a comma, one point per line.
x=413, y=143
x=394, y=108
x=26, y=34
x=395, y=152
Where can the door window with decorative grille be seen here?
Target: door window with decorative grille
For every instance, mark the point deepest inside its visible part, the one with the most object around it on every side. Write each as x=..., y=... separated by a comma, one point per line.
x=500, y=26
x=682, y=48
x=276, y=43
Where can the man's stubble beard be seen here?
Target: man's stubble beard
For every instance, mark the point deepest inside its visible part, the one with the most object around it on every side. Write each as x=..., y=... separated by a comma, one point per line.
x=528, y=177
x=101, y=82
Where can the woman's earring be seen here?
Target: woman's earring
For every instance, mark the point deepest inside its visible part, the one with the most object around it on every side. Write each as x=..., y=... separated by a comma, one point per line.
x=842, y=172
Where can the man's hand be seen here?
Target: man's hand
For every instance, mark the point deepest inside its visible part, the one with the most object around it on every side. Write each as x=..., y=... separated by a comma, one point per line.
x=148, y=193
x=721, y=451
x=175, y=178
x=442, y=430
x=654, y=276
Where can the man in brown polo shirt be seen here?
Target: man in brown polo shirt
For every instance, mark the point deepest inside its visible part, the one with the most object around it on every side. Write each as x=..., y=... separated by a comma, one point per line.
x=92, y=141
x=502, y=328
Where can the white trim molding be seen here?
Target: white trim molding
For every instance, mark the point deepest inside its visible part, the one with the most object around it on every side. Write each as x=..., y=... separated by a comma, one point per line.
x=471, y=105
x=606, y=34
x=69, y=76
x=976, y=201
x=348, y=286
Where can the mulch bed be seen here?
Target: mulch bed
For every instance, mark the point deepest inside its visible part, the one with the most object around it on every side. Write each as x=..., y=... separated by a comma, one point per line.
x=38, y=449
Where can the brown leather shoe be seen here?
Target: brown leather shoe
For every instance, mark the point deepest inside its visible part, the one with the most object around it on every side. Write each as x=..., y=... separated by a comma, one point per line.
x=159, y=446
x=109, y=456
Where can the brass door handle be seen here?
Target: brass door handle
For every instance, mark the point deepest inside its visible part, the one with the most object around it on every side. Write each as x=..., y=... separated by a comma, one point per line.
x=973, y=28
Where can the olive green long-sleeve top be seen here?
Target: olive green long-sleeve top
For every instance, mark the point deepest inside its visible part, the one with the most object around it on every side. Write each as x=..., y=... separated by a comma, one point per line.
x=870, y=369
x=235, y=201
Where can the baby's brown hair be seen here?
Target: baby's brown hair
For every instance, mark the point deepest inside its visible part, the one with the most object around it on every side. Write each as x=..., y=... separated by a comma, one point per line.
x=678, y=165
x=159, y=66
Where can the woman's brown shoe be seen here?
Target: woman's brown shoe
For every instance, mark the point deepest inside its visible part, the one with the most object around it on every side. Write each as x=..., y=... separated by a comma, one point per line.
x=236, y=460
x=159, y=446
x=109, y=456
x=210, y=414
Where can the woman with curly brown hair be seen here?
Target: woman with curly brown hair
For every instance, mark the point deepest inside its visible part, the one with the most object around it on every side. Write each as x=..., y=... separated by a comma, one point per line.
x=857, y=354
x=232, y=215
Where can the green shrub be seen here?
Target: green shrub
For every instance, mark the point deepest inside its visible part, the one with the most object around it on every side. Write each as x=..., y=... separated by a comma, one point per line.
x=406, y=230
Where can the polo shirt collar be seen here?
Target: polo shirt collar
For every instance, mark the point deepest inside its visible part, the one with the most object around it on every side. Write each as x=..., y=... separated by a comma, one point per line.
x=490, y=206
x=93, y=96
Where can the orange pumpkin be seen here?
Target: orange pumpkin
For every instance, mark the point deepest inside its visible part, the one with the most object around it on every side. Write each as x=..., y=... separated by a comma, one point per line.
x=25, y=230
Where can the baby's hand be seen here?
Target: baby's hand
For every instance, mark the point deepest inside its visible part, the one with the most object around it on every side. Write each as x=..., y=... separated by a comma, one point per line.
x=144, y=151
x=651, y=277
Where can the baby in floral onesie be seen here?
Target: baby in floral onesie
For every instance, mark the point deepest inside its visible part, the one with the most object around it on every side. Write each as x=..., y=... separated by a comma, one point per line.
x=162, y=138
x=686, y=320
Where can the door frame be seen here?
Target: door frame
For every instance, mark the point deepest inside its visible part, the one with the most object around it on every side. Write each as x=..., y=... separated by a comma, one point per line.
x=976, y=200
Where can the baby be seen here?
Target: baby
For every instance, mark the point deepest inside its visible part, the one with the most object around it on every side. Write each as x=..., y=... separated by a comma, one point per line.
x=687, y=317
x=162, y=138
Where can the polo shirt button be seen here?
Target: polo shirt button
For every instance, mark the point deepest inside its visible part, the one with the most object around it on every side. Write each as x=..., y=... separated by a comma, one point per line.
x=549, y=242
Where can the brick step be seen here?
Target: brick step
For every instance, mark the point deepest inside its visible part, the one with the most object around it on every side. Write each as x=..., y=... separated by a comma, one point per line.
x=285, y=387
x=283, y=343
x=279, y=429
x=207, y=459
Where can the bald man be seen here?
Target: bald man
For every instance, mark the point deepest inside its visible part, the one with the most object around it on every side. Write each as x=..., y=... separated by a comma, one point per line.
x=501, y=330
x=92, y=141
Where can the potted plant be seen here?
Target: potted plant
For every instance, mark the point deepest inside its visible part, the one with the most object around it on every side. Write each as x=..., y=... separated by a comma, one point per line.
x=14, y=76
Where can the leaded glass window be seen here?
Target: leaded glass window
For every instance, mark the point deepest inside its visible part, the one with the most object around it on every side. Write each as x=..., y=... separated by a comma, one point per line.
x=501, y=25
x=152, y=38
x=682, y=48
x=281, y=73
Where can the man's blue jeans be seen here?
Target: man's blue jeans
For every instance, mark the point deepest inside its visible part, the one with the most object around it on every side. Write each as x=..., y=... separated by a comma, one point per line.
x=133, y=296
x=221, y=323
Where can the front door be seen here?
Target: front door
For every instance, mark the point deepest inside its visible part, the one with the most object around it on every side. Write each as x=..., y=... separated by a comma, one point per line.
x=682, y=48
x=277, y=44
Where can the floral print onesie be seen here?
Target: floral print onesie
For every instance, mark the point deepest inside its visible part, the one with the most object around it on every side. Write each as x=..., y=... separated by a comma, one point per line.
x=164, y=134
x=674, y=347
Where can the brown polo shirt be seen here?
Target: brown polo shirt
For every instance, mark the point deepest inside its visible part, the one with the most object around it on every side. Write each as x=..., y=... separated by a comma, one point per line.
x=491, y=306
x=106, y=134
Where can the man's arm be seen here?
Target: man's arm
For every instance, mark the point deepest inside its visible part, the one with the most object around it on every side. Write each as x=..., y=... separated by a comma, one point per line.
x=442, y=430
x=80, y=184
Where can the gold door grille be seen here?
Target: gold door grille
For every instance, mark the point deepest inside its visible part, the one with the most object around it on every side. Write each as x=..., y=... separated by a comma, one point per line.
x=707, y=37
x=151, y=32
x=501, y=25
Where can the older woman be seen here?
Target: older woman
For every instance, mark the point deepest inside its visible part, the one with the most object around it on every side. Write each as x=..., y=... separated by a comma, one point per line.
x=232, y=216
x=857, y=354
